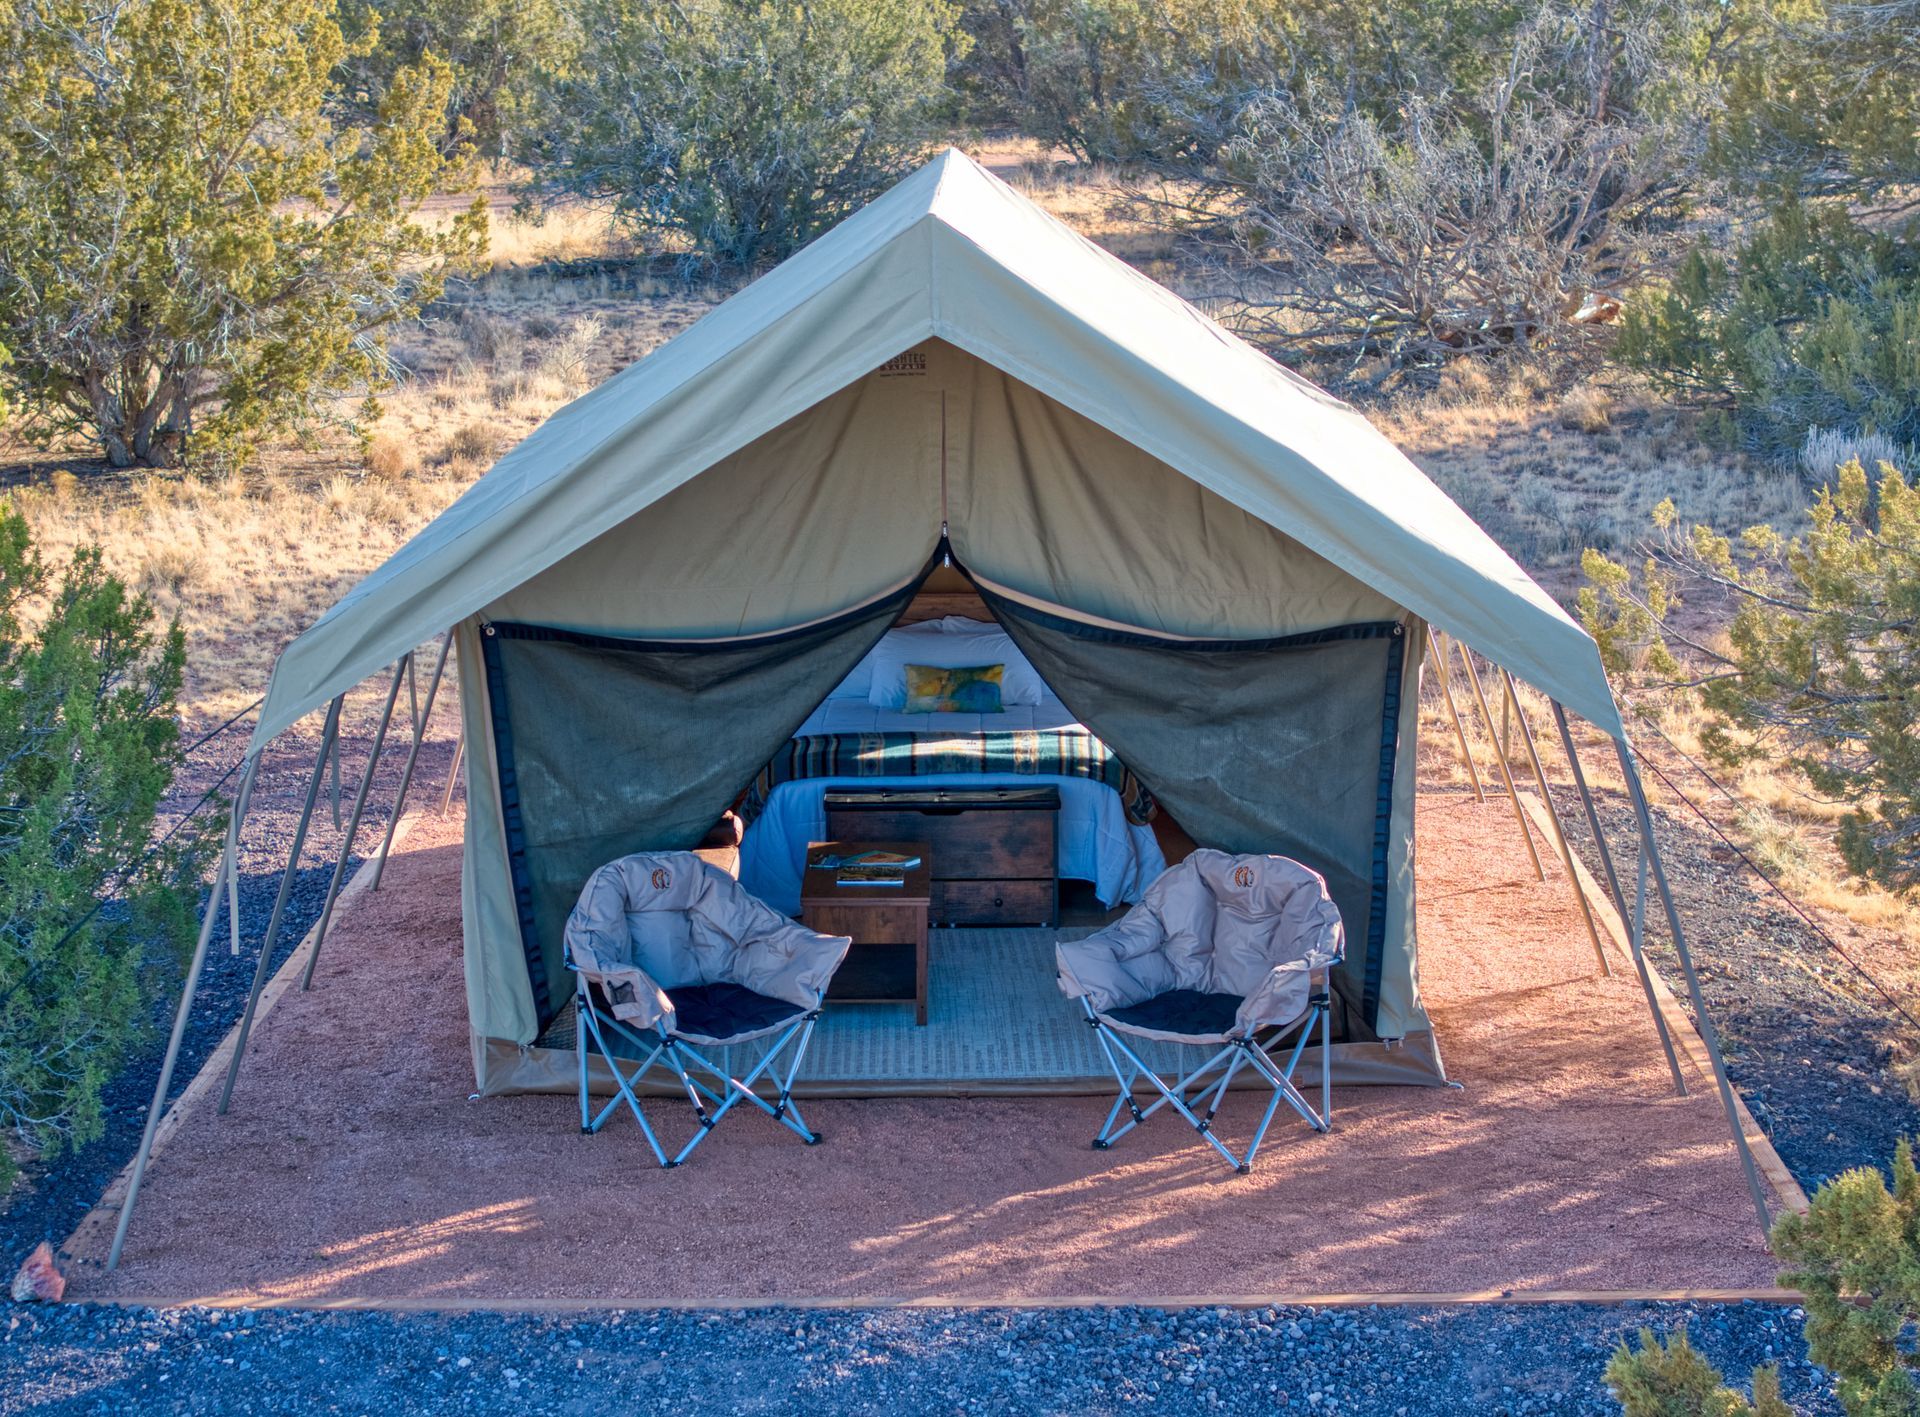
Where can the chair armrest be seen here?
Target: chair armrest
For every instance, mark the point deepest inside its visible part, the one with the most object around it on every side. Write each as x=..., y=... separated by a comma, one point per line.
x=633, y=997
x=790, y=962
x=1112, y=968
x=1282, y=997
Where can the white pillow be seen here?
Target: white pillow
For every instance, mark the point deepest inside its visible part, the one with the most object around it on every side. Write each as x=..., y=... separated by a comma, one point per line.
x=858, y=684
x=954, y=642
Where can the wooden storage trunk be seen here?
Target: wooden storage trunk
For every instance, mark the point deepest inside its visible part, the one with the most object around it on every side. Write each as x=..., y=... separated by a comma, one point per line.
x=994, y=853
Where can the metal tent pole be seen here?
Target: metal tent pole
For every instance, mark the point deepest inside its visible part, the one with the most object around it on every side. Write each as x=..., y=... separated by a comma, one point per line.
x=327, y=736
x=1635, y=919
x=353, y=820
x=335, y=760
x=229, y=866
x=1500, y=761
x=1708, y=1033
x=453, y=773
x=413, y=755
x=1553, y=817
x=1436, y=650
x=241, y=801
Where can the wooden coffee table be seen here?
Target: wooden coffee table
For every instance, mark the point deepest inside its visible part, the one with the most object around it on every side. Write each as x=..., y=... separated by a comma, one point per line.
x=888, y=961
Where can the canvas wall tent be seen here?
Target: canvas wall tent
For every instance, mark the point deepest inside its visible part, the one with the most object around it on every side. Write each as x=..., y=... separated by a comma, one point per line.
x=1225, y=572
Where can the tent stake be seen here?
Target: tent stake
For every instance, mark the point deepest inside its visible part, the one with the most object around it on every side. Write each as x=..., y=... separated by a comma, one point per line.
x=353, y=820
x=1634, y=919
x=1500, y=760
x=1436, y=651
x=1559, y=833
x=327, y=736
x=229, y=867
x=453, y=773
x=413, y=754
x=1708, y=1033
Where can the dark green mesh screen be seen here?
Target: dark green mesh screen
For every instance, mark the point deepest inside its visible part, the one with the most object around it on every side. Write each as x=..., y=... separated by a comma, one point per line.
x=1282, y=745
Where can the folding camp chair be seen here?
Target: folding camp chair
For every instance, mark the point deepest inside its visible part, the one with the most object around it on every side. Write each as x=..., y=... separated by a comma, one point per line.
x=671, y=957
x=1221, y=951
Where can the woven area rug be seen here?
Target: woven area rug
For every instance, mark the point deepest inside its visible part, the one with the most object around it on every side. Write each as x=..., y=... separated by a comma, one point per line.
x=997, y=1023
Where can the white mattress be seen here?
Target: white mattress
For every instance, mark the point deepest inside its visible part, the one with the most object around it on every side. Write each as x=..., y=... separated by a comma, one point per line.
x=1096, y=841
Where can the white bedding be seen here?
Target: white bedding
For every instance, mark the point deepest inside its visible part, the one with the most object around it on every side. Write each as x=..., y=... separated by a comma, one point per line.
x=859, y=716
x=1097, y=842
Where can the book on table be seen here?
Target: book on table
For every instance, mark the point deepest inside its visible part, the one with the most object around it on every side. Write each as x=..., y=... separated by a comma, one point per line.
x=863, y=874
x=861, y=861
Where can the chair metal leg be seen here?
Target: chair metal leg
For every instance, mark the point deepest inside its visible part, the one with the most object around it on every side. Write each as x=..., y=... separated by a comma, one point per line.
x=623, y=1082
x=1199, y=1086
x=782, y=1109
x=1175, y=1096
x=1326, y=1063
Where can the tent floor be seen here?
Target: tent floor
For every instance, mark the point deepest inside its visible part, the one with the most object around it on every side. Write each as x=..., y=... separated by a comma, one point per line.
x=997, y=1025
x=353, y=1168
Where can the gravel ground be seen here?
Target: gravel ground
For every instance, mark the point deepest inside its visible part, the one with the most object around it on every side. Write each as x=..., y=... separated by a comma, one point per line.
x=1493, y=1361
x=1807, y=1039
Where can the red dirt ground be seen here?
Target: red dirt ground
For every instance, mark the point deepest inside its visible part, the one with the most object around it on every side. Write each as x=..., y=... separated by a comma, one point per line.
x=353, y=1165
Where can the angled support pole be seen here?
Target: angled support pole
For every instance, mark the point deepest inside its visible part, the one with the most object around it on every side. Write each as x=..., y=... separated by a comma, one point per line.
x=400, y=671
x=1553, y=818
x=228, y=869
x=1500, y=761
x=1708, y=1033
x=1634, y=920
x=328, y=734
x=453, y=773
x=334, y=760
x=420, y=721
x=1437, y=652
x=242, y=799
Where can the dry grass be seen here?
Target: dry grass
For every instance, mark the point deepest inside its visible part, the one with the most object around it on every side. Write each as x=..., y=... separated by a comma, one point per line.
x=1550, y=476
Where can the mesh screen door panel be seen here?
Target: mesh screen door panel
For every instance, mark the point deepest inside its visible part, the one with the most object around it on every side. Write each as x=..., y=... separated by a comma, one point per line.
x=609, y=746
x=1284, y=745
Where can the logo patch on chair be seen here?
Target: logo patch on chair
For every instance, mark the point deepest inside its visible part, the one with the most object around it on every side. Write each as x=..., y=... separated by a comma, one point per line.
x=662, y=878
x=1243, y=876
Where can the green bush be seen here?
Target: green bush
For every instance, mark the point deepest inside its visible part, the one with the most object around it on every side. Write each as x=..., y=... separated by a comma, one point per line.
x=1819, y=666
x=93, y=907
x=1855, y=1255
x=1812, y=322
x=1153, y=81
x=1855, y=1258
x=194, y=248
x=743, y=127
x=495, y=48
x=1674, y=1380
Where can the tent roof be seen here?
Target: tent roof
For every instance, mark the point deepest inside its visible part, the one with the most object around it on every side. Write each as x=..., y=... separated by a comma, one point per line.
x=954, y=253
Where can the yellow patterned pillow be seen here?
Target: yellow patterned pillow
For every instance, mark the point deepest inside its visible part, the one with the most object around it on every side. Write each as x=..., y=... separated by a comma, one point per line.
x=975, y=689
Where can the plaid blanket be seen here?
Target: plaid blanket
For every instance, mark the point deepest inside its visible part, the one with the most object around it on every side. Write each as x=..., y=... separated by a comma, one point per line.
x=1028, y=753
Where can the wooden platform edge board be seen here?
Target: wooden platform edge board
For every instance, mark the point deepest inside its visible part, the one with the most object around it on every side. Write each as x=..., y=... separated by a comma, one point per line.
x=1463, y=1298
x=88, y=1242
x=1679, y=1024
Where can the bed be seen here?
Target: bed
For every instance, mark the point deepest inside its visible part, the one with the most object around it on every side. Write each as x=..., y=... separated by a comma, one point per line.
x=862, y=736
